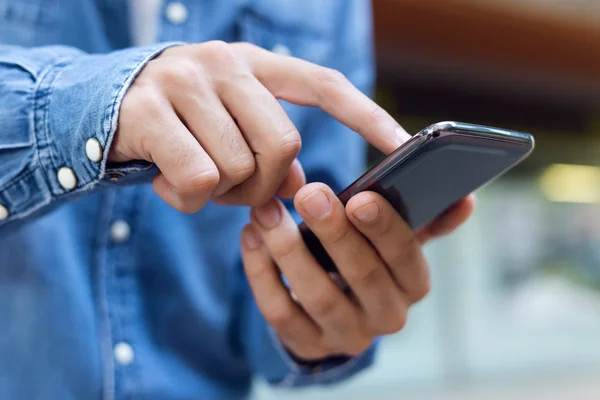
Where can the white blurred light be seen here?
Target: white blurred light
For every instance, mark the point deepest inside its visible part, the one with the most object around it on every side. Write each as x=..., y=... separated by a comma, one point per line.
x=571, y=183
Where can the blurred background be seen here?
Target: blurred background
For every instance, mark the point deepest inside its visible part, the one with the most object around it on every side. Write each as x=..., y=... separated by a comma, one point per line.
x=515, y=307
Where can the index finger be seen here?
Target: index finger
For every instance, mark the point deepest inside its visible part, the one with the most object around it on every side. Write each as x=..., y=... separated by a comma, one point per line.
x=304, y=83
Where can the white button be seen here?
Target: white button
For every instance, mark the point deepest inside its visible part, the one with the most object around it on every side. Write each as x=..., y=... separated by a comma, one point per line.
x=120, y=231
x=281, y=49
x=177, y=13
x=3, y=213
x=67, y=178
x=123, y=353
x=93, y=150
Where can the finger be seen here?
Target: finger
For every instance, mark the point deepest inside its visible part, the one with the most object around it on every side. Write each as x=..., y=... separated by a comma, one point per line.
x=449, y=220
x=295, y=329
x=394, y=240
x=269, y=132
x=294, y=180
x=188, y=175
x=303, y=83
x=356, y=259
x=315, y=291
x=202, y=112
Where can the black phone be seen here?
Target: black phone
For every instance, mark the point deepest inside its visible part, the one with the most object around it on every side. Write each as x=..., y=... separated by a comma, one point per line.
x=432, y=171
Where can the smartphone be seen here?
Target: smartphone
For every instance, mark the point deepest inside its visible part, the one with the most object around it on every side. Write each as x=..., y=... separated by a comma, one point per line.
x=432, y=171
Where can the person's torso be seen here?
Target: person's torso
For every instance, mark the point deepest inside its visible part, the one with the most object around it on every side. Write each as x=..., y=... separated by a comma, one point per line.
x=117, y=290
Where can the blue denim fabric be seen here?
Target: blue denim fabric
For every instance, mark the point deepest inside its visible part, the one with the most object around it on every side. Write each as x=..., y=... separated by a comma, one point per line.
x=174, y=289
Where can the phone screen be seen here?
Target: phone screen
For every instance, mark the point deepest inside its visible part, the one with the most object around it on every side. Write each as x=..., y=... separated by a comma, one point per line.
x=443, y=172
x=431, y=179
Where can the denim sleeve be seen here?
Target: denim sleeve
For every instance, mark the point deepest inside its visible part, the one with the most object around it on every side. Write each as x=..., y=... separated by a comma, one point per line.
x=57, y=106
x=332, y=154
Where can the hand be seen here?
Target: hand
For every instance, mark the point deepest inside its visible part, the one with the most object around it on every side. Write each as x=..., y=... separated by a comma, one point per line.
x=207, y=115
x=376, y=252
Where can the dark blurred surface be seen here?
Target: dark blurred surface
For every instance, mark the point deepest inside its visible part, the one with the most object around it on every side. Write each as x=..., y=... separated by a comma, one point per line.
x=501, y=63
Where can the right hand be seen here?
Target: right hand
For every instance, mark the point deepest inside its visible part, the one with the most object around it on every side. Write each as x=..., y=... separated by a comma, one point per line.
x=207, y=115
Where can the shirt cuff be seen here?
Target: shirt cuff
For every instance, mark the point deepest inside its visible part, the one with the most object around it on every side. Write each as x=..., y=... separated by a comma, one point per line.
x=326, y=371
x=77, y=110
x=75, y=107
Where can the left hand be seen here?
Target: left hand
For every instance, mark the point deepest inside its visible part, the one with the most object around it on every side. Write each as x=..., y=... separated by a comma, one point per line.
x=375, y=251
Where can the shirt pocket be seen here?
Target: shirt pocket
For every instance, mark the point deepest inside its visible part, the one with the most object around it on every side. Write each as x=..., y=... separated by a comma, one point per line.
x=303, y=29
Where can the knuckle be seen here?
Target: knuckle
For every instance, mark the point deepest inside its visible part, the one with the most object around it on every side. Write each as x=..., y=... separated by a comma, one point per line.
x=278, y=315
x=321, y=305
x=423, y=288
x=341, y=236
x=147, y=101
x=378, y=114
x=290, y=144
x=330, y=76
x=330, y=81
x=180, y=74
x=204, y=182
x=187, y=207
x=408, y=255
x=246, y=46
x=241, y=167
x=219, y=52
x=257, y=272
x=364, y=277
x=285, y=250
x=392, y=324
x=400, y=321
x=358, y=345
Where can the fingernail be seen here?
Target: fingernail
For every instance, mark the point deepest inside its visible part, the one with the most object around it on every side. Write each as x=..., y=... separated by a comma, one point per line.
x=367, y=213
x=268, y=215
x=251, y=238
x=317, y=204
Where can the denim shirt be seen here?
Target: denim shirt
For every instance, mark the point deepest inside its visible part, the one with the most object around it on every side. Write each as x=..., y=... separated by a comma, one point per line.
x=105, y=291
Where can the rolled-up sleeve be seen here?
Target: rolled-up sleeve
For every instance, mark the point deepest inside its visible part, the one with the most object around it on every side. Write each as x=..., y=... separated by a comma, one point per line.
x=59, y=110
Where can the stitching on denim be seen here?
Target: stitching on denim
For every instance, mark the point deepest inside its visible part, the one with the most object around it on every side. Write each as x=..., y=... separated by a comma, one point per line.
x=106, y=342
x=51, y=145
x=23, y=175
x=43, y=108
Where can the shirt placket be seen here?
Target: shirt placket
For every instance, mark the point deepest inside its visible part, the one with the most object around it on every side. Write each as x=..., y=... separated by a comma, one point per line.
x=121, y=294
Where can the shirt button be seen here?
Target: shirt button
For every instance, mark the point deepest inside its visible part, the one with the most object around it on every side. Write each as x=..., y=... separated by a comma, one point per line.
x=124, y=354
x=67, y=178
x=177, y=13
x=3, y=213
x=120, y=231
x=93, y=150
x=281, y=49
